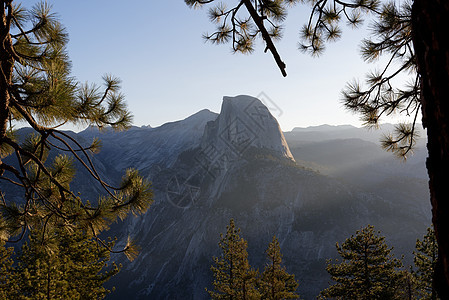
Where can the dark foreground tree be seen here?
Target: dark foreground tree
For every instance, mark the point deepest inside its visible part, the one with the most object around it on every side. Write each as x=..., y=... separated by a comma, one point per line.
x=425, y=260
x=7, y=284
x=275, y=283
x=407, y=286
x=65, y=267
x=366, y=270
x=36, y=89
x=233, y=276
x=413, y=36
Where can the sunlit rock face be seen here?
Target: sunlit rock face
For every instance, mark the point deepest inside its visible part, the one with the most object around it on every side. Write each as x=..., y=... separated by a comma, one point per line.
x=244, y=122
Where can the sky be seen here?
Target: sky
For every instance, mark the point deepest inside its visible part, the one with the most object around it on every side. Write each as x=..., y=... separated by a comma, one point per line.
x=168, y=72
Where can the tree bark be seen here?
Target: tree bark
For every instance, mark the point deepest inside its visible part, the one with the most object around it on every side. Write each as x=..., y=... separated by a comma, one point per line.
x=6, y=69
x=6, y=66
x=430, y=28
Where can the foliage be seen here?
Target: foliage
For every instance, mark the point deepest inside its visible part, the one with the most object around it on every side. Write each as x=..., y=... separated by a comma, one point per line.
x=407, y=286
x=234, y=278
x=367, y=269
x=77, y=271
x=426, y=255
x=263, y=19
x=7, y=284
x=391, y=35
x=275, y=282
x=38, y=90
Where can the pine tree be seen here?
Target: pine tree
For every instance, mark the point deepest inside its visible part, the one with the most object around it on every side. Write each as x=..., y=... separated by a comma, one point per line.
x=78, y=269
x=425, y=260
x=233, y=276
x=407, y=286
x=412, y=36
x=367, y=269
x=7, y=284
x=275, y=282
x=36, y=88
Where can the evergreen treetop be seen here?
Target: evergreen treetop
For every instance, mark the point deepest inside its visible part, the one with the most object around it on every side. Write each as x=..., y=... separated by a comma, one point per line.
x=367, y=268
x=425, y=259
x=275, y=283
x=235, y=279
x=233, y=276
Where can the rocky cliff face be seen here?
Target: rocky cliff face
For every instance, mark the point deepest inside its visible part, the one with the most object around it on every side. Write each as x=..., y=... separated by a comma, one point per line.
x=244, y=122
x=142, y=148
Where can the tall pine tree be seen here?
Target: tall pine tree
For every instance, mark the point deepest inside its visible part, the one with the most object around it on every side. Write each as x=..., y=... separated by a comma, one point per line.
x=275, y=283
x=425, y=259
x=367, y=269
x=233, y=276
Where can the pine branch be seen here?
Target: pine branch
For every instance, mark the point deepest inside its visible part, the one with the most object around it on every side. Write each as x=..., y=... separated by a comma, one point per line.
x=266, y=36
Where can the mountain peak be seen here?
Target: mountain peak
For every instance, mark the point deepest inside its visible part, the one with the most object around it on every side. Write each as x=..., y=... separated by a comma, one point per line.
x=240, y=101
x=203, y=114
x=244, y=122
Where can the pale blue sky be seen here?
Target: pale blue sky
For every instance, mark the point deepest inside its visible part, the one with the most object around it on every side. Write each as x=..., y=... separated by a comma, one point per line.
x=169, y=73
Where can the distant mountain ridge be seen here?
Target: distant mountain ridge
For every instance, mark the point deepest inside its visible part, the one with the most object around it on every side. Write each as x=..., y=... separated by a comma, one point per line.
x=324, y=127
x=331, y=132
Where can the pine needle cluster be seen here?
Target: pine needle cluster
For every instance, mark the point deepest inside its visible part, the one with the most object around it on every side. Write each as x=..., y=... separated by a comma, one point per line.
x=237, y=27
x=38, y=90
x=391, y=36
x=246, y=21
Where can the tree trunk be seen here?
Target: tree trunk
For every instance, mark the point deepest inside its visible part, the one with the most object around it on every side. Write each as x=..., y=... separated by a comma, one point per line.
x=6, y=67
x=430, y=27
x=6, y=71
